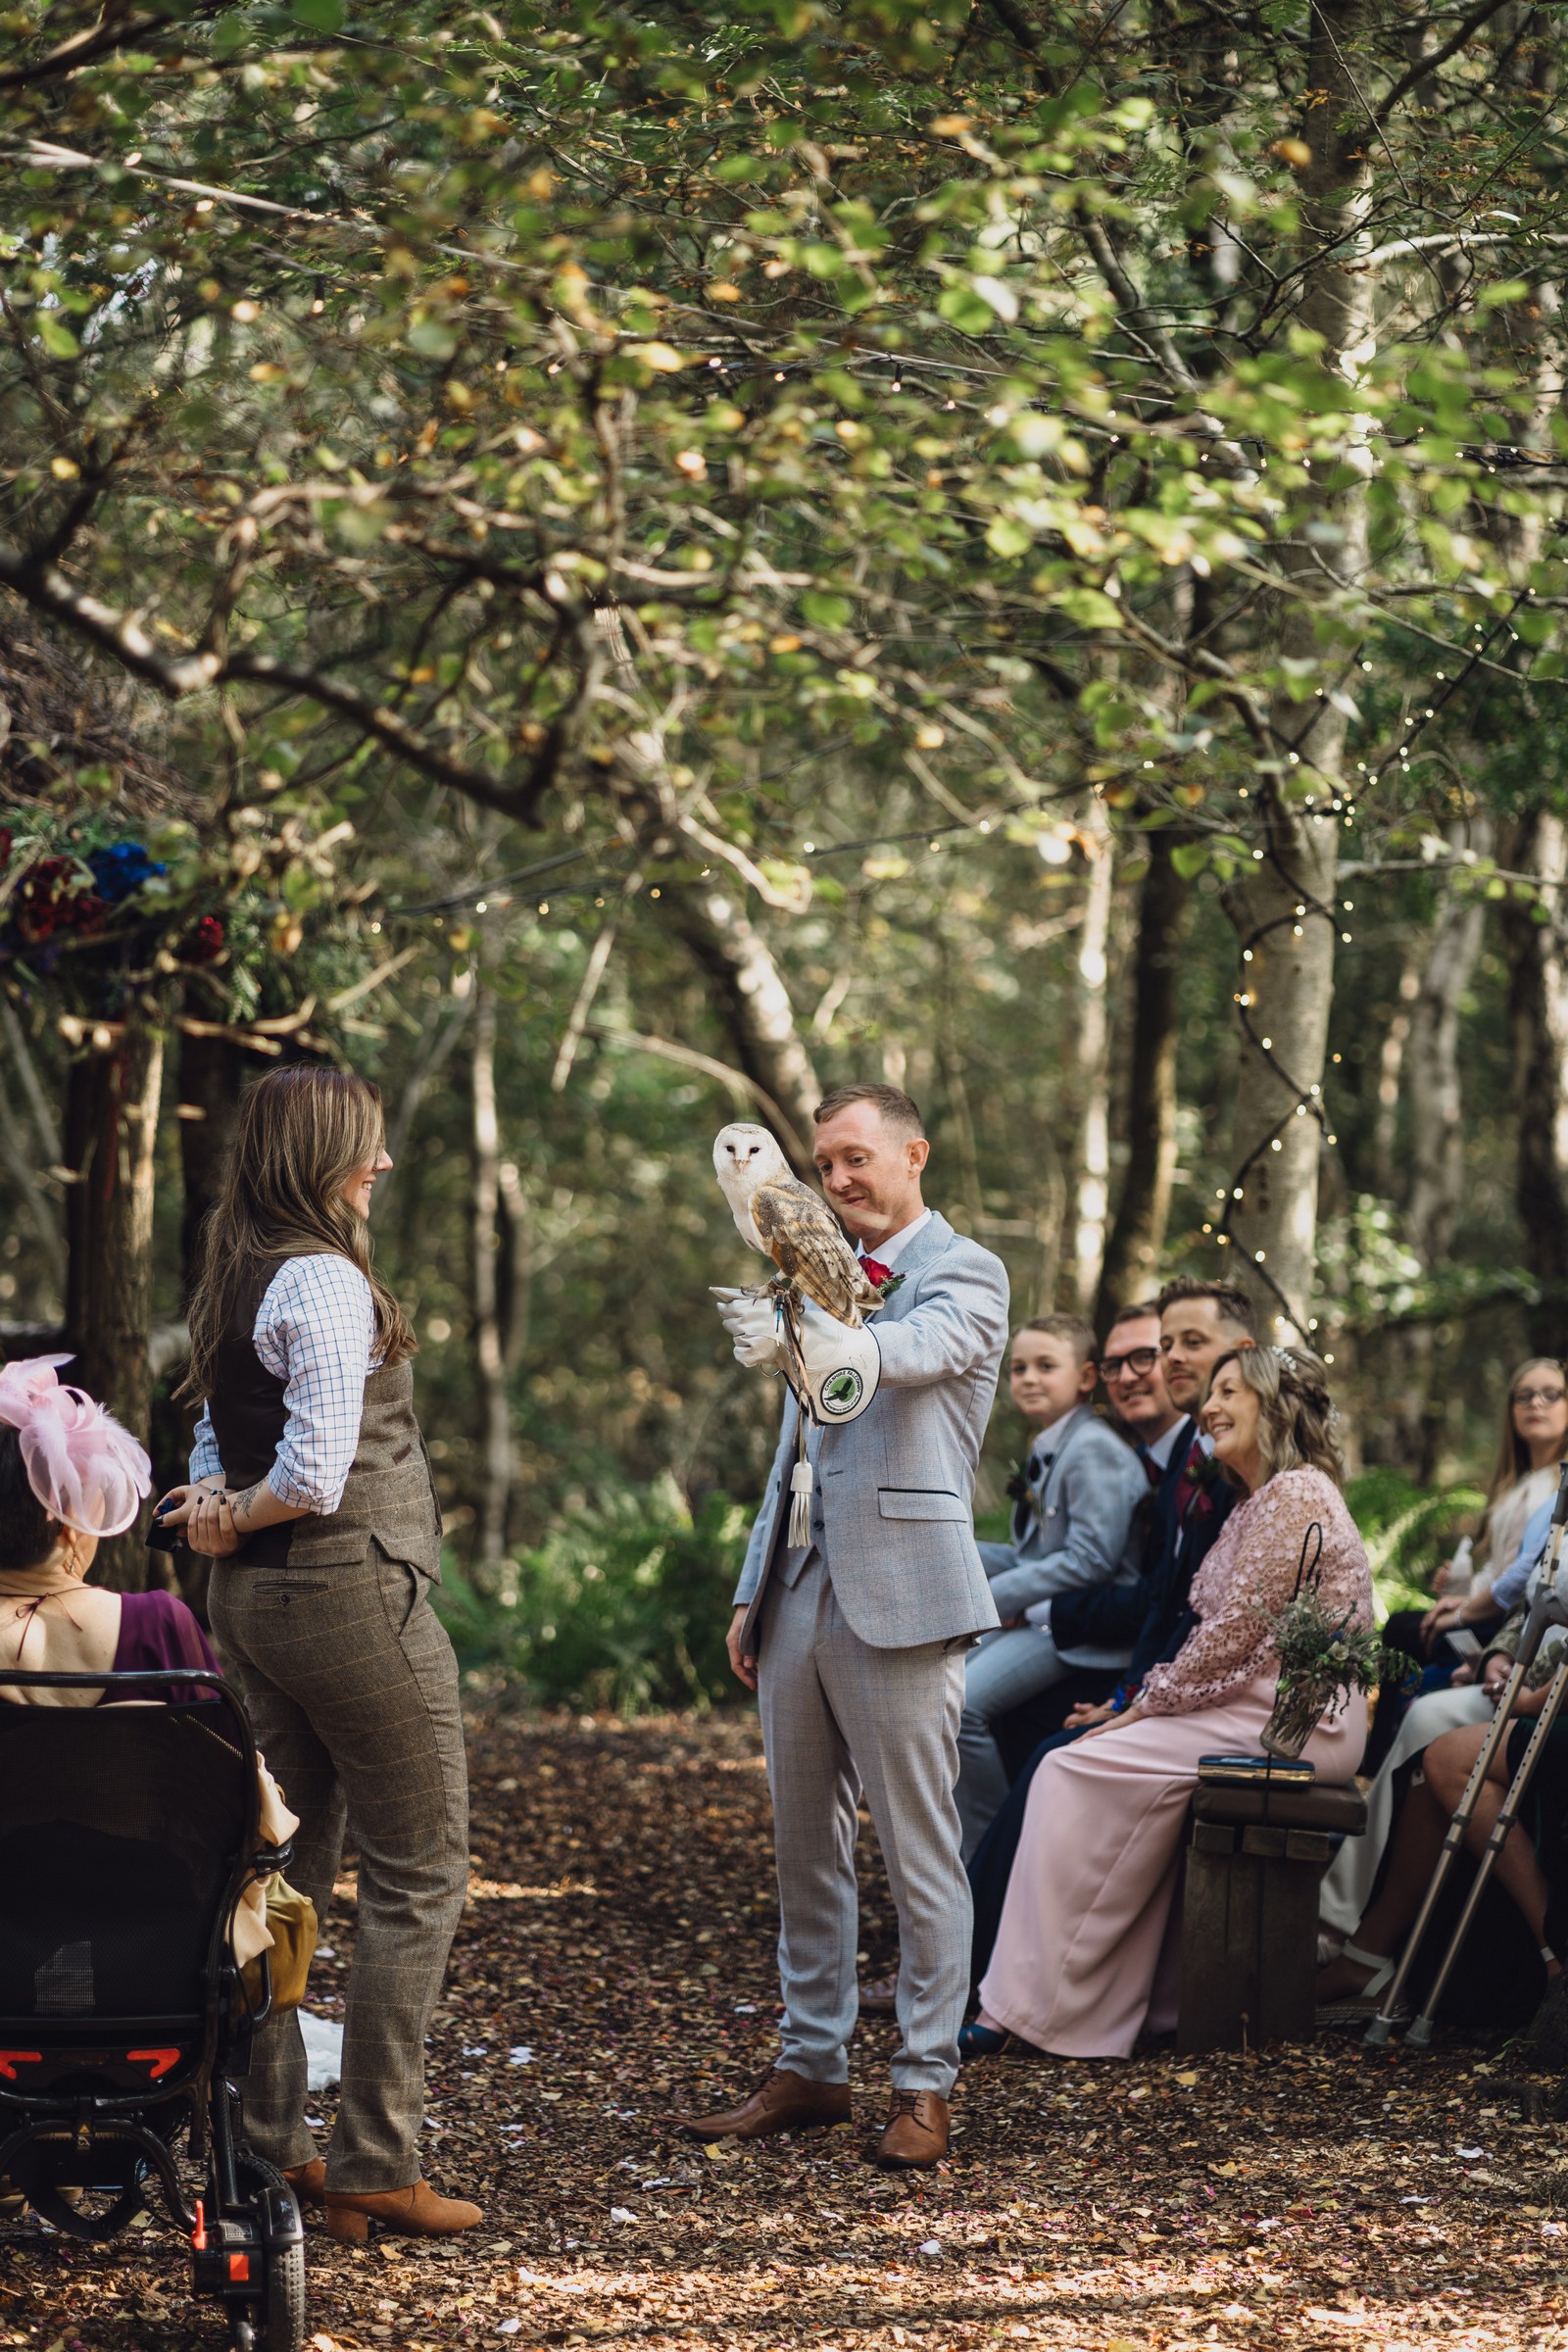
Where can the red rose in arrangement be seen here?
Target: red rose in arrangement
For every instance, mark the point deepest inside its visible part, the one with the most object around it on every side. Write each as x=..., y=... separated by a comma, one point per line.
x=50, y=899
x=204, y=944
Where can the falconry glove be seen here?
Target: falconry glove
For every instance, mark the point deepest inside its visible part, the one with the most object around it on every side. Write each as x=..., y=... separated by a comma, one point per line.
x=842, y=1366
x=753, y=1326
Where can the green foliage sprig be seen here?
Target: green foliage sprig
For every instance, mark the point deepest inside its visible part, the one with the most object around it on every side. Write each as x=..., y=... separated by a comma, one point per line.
x=1321, y=1651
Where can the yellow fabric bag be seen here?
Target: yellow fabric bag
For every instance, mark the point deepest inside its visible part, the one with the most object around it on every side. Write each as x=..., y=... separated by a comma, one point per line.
x=291, y=1917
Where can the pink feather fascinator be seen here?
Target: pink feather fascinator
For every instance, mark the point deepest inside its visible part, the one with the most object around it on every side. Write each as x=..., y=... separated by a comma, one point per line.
x=85, y=1470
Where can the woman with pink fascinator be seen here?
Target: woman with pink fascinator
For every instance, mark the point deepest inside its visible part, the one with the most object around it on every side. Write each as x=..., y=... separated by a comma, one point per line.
x=69, y=1476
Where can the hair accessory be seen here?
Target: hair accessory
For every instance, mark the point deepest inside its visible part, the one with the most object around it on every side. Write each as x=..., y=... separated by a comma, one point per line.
x=85, y=1470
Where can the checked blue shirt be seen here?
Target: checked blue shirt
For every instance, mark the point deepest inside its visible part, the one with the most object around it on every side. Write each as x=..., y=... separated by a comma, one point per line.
x=315, y=1332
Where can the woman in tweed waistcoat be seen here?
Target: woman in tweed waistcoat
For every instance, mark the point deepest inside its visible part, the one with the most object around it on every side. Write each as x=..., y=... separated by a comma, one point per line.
x=311, y=1490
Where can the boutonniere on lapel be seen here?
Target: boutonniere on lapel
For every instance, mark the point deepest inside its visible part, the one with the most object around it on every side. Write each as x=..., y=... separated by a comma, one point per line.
x=1205, y=1477
x=882, y=1279
x=1018, y=1488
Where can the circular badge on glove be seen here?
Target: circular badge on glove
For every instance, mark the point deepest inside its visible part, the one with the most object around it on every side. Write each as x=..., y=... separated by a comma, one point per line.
x=842, y=1392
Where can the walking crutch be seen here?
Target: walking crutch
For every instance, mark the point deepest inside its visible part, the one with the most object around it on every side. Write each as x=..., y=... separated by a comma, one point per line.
x=1545, y=1610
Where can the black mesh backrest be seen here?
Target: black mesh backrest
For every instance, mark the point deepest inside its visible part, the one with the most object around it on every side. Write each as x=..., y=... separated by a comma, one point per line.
x=120, y=1831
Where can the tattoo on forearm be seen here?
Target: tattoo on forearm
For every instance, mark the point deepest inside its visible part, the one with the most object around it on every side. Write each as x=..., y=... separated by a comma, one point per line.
x=238, y=1503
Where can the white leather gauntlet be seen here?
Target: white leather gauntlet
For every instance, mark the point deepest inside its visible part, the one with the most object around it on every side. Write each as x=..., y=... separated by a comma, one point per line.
x=842, y=1366
x=753, y=1326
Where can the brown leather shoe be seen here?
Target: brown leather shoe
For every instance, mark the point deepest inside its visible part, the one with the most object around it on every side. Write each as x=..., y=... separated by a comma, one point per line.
x=879, y=1995
x=782, y=2102
x=915, y=2133
x=416, y=2212
x=309, y=2181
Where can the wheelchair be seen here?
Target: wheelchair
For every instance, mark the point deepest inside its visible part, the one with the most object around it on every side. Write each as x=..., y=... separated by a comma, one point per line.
x=128, y=1834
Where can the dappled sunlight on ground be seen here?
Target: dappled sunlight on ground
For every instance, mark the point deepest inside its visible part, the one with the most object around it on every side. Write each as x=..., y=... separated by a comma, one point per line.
x=618, y=1958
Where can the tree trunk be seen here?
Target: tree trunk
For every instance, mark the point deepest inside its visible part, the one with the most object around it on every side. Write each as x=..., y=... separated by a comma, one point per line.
x=489, y=1283
x=212, y=1071
x=42, y=1213
x=1390, y=1075
x=1131, y=1268
x=1432, y=1059
x=754, y=1005
x=1538, y=1002
x=1090, y=1187
x=1285, y=912
x=112, y=1126
x=1430, y=1146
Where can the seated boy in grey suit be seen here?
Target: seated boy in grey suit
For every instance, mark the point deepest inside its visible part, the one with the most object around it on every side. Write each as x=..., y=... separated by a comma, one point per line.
x=1076, y=1523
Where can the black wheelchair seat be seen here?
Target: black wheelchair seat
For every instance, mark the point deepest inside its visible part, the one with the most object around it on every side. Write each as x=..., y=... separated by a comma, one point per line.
x=128, y=1834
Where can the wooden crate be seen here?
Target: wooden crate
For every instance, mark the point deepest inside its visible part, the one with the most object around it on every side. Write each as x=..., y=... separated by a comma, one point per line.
x=1250, y=1913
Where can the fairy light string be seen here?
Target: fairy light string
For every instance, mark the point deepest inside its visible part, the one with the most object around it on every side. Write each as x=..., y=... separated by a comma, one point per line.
x=1307, y=1100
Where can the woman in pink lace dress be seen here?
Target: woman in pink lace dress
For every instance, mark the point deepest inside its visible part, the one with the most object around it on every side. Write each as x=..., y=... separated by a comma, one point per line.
x=1082, y=1962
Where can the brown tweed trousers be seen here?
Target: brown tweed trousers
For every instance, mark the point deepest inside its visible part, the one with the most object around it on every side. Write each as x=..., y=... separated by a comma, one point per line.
x=352, y=1687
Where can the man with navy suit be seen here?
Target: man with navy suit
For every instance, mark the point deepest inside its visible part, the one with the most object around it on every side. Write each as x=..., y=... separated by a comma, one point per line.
x=855, y=1640
x=1200, y=1322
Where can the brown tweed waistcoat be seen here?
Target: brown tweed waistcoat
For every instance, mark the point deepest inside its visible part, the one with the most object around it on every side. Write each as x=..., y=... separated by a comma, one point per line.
x=390, y=1494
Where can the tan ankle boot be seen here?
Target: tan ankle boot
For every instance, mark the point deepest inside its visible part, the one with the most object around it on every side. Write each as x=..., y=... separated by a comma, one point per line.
x=416, y=2212
x=309, y=2181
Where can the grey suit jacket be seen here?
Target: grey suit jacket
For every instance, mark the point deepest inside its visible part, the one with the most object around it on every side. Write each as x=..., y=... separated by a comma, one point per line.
x=894, y=1488
x=1088, y=1531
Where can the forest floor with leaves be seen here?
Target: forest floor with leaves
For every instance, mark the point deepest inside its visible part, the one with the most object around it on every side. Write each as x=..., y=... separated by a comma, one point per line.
x=616, y=1960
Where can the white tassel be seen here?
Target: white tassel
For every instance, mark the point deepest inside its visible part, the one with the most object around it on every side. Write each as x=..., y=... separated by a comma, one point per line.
x=800, y=1504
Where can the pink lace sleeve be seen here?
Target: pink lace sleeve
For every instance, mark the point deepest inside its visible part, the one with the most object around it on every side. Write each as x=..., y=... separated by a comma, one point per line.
x=1248, y=1576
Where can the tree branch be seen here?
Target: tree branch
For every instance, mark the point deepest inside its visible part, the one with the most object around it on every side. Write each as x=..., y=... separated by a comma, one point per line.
x=47, y=590
x=1437, y=57
x=83, y=48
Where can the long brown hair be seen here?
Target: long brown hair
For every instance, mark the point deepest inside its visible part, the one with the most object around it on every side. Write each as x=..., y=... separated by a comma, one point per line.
x=1513, y=1454
x=303, y=1132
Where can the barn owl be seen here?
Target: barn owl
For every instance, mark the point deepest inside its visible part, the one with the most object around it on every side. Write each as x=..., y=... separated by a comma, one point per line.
x=783, y=1218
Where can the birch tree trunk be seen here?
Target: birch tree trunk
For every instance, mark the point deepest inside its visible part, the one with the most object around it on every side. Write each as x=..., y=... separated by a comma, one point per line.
x=1429, y=1142
x=490, y=1556
x=1538, y=1000
x=1284, y=913
x=754, y=1006
x=1432, y=1059
x=1131, y=1267
x=1090, y=1188
x=112, y=1125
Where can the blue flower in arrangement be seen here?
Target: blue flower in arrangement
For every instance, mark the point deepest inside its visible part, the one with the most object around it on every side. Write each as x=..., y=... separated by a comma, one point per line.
x=122, y=870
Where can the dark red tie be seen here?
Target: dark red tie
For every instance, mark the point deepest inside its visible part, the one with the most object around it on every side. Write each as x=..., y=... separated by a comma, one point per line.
x=1187, y=1484
x=876, y=1273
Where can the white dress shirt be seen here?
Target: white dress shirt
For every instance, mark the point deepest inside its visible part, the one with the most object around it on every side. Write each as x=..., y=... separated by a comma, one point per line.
x=888, y=1253
x=1159, y=1450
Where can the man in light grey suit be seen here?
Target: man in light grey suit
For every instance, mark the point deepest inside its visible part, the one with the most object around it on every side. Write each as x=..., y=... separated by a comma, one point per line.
x=856, y=1640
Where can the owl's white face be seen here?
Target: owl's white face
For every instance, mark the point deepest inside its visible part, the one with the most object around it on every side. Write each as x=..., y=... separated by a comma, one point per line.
x=748, y=1155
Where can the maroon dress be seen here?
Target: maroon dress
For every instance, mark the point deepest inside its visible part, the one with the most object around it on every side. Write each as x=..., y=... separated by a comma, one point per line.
x=157, y=1632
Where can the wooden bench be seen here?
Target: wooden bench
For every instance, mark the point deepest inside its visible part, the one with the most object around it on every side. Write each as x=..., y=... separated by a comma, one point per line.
x=1249, y=1910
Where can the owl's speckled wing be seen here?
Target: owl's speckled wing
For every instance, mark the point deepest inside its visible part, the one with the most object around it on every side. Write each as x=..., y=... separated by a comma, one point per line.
x=806, y=1242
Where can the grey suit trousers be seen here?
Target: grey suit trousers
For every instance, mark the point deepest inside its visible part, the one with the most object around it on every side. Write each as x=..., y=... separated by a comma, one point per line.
x=352, y=1687
x=839, y=1715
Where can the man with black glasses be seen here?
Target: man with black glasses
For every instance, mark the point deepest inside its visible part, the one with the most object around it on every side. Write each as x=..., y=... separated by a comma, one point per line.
x=1199, y=1322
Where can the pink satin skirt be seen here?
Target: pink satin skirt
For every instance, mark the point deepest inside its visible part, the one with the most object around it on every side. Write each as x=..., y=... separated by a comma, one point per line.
x=1077, y=1967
